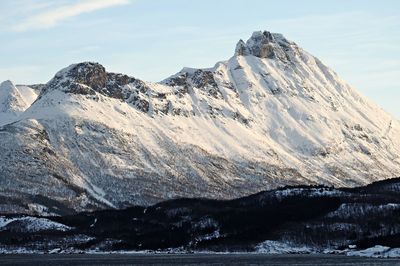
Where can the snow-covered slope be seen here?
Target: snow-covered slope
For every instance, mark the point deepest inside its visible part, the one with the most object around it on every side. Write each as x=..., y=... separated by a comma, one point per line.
x=271, y=115
x=14, y=100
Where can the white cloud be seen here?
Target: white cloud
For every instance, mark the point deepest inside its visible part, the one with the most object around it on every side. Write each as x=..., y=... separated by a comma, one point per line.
x=54, y=16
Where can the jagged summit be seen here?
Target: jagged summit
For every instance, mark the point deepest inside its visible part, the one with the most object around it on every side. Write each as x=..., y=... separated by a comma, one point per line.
x=264, y=44
x=242, y=49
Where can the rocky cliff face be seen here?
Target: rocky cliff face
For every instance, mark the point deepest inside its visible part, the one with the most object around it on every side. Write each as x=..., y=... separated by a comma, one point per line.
x=271, y=115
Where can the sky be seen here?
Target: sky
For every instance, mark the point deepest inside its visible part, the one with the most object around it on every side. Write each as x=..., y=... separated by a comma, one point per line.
x=153, y=39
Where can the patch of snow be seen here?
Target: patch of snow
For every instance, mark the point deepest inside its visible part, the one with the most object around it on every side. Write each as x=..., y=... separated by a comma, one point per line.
x=32, y=224
x=4, y=221
x=94, y=222
x=213, y=235
x=54, y=251
x=278, y=247
x=376, y=252
x=310, y=192
x=353, y=210
x=39, y=209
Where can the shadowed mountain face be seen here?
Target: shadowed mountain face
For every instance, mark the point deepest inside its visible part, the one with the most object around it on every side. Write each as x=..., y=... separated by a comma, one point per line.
x=270, y=116
x=300, y=219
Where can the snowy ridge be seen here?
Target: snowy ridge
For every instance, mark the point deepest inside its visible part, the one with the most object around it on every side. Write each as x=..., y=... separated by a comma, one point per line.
x=272, y=115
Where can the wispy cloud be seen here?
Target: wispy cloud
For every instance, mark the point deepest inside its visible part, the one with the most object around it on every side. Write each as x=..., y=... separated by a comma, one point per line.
x=52, y=17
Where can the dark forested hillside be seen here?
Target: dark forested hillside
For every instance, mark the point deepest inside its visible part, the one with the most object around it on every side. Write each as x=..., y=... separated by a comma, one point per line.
x=317, y=217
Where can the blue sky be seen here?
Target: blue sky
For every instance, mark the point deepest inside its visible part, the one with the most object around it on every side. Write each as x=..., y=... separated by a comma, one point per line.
x=152, y=39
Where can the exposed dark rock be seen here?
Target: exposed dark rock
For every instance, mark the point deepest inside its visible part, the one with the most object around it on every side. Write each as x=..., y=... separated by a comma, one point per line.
x=268, y=45
x=180, y=80
x=90, y=74
x=241, y=48
x=115, y=84
x=87, y=78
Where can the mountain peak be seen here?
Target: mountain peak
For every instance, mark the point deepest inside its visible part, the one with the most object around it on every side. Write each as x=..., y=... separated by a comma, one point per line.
x=91, y=74
x=264, y=44
x=89, y=78
x=6, y=84
x=14, y=99
x=241, y=48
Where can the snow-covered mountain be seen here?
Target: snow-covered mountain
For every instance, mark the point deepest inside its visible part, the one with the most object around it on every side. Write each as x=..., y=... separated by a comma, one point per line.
x=271, y=115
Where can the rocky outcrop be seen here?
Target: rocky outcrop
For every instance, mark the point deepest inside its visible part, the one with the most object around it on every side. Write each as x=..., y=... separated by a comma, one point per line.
x=268, y=45
x=242, y=49
x=89, y=78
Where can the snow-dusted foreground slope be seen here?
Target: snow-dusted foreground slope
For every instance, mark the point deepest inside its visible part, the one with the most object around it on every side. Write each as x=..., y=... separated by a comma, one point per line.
x=271, y=115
